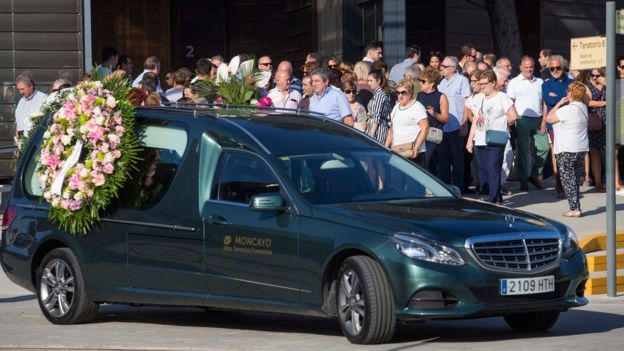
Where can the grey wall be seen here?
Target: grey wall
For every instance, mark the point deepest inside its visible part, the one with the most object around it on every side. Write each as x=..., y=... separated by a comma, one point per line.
x=43, y=38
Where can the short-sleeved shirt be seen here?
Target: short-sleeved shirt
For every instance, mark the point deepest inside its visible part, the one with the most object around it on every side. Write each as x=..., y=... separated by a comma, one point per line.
x=494, y=112
x=174, y=94
x=398, y=70
x=553, y=90
x=571, y=131
x=456, y=89
x=289, y=101
x=527, y=95
x=27, y=107
x=405, y=123
x=333, y=104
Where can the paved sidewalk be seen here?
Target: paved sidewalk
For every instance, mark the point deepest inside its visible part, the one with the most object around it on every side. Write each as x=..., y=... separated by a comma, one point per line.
x=545, y=203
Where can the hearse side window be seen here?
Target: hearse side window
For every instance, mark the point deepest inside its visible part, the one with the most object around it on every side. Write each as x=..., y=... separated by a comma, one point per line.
x=163, y=148
x=243, y=176
x=31, y=181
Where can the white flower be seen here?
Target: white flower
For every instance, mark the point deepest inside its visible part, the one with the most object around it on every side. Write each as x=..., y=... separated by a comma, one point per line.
x=108, y=158
x=65, y=139
x=84, y=173
x=99, y=120
x=233, y=66
x=78, y=196
x=111, y=102
x=222, y=73
x=246, y=68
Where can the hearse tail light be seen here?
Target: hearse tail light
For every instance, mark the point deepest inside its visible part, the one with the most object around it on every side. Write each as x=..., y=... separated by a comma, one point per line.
x=9, y=215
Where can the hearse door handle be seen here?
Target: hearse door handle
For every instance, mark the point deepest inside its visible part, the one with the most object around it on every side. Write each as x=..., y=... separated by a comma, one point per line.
x=217, y=220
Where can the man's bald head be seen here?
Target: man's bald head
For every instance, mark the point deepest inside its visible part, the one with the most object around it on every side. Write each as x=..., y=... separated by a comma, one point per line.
x=285, y=66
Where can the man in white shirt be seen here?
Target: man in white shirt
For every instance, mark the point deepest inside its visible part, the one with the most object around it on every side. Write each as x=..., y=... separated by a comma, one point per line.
x=177, y=91
x=151, y=64
x=281, y=95
x=372, y=53
x=29, y=104
x=526, y=91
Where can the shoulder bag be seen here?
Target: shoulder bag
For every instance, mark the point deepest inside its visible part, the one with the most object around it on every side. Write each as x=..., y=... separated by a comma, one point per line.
x=434, y=135
x=495, y=137
x=594, y=121
x=406, y=150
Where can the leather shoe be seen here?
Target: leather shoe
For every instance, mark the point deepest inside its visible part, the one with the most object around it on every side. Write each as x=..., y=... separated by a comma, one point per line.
x=536, y=183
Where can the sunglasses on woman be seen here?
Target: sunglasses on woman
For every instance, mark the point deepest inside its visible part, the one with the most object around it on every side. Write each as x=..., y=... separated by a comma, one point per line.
x=401, y=92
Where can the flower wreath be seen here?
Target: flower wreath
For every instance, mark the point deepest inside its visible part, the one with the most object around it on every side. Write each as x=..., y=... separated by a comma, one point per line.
x=86, y=153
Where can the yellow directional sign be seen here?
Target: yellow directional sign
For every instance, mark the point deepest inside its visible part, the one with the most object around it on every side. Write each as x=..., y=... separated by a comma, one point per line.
x=588, y=53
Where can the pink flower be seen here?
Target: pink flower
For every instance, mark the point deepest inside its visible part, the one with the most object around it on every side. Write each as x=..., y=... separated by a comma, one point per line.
x=75, y=183
x=97, y=178
x=50, y=160
x=104, y=147
x=75, y=205
x=116, y=154
x=108, y=168
x=265, y=101
x=96, y=135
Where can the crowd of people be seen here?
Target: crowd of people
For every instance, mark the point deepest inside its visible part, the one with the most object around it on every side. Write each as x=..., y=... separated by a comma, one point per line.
x=466, y=119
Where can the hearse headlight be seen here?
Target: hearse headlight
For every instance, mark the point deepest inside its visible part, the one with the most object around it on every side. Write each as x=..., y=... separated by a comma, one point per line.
x=420, y=248
x=569, y=244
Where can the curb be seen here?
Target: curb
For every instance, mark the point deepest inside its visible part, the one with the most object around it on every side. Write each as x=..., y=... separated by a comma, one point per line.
x=597, y=243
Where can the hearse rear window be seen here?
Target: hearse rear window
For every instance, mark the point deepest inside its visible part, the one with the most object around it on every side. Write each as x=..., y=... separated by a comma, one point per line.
x=163, y=148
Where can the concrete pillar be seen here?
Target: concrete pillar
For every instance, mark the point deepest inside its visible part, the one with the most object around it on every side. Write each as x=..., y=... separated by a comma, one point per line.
x=394, y=31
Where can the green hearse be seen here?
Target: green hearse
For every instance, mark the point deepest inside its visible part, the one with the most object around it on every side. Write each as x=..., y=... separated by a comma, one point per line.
x=287, y=212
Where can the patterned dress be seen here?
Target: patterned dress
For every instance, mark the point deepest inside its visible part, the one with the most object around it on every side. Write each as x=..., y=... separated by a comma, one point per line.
x=379, y=109
x=598, y=140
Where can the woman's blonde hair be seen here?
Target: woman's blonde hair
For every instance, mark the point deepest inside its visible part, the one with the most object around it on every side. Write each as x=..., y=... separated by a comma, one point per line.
x=408, y=85
x=431, y=75
x=361, y=70
x=577, y=91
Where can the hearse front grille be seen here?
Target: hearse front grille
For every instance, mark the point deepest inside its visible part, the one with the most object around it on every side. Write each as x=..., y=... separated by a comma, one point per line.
x=516, y=252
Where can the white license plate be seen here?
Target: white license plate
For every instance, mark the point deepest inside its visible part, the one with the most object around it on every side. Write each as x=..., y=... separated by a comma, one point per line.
x=526, y=286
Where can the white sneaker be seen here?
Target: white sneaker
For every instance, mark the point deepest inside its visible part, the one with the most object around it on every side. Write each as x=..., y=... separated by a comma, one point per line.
x=620, y=192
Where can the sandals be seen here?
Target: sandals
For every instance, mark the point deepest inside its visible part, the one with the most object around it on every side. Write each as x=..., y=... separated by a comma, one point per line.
x=572, y=214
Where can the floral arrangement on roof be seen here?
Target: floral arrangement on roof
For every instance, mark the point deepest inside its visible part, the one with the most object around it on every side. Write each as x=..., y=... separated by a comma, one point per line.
x=87, y=152
x=235, y=83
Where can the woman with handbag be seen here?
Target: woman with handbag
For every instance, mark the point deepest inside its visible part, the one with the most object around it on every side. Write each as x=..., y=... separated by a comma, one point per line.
x=571, y=142
x=490, y=132
x=409, y=125
x=437, y=107
x=596, y=91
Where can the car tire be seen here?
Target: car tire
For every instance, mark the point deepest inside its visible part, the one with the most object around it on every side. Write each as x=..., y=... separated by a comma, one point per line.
x=364, y=301
x=535, y=321
x=61, y=289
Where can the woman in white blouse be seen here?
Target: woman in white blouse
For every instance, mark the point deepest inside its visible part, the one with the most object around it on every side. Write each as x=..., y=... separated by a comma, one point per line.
x=496, y=113
x=571, y=143
x=409, y=124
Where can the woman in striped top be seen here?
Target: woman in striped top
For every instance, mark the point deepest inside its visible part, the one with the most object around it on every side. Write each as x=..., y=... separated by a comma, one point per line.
x=378, y=107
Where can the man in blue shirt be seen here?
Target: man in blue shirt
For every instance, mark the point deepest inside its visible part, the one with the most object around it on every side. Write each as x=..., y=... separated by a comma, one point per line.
x=327, y=100
x=412, y=54
x=451, y=151
x=554, y=89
